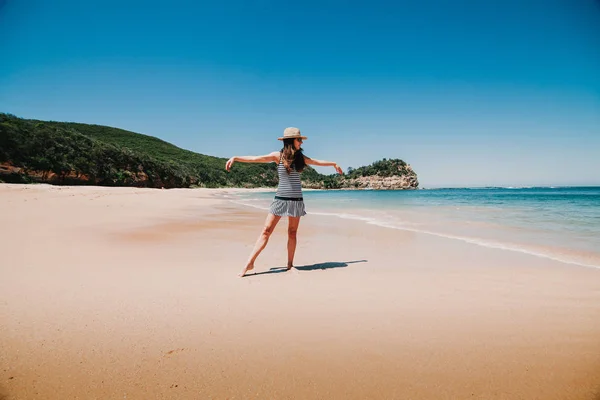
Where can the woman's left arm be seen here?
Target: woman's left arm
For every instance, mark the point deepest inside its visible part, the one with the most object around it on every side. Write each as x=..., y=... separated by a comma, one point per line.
x=321, y=163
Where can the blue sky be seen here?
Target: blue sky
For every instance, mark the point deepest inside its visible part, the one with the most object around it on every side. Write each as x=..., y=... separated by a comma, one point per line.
x=469, y=93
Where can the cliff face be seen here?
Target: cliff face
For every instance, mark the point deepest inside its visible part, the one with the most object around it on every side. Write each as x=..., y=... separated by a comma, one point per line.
x=12, y=174
x=377, y=182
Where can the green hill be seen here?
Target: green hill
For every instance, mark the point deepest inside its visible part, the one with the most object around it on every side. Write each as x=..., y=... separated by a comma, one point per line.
x=76, y=153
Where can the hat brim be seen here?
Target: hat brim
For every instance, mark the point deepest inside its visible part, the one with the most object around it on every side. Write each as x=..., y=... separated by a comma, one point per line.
x=295, y=137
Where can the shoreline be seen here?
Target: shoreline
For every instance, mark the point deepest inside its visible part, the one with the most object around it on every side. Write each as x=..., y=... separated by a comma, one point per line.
x=580, y=260
x=125, y=291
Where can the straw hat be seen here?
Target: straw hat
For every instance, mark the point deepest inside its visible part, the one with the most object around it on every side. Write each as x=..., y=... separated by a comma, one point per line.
x=292, y=133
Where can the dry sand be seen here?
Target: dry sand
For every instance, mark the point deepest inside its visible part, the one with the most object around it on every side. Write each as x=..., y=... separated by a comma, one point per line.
x=113, y=293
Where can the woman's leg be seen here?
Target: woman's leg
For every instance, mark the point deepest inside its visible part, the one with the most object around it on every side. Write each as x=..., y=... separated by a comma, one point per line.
x=261, y=243
x=291, y=244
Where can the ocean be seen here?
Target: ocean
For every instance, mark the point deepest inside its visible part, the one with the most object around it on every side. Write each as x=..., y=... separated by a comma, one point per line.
x=558, y=223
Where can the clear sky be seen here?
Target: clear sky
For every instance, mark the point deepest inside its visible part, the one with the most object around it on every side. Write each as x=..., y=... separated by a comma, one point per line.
x=470, y=93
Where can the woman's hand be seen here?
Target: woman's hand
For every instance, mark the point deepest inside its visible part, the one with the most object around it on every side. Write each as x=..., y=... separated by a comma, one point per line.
x=229, y=163
x=338, y=169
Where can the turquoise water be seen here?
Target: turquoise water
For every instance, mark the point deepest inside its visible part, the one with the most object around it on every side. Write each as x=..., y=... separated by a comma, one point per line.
x=561, y=223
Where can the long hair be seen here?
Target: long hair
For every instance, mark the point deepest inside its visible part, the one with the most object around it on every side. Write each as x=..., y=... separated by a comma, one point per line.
x=291, y=157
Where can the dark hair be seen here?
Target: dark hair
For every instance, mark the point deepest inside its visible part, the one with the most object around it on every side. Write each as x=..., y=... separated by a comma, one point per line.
x=291, y=157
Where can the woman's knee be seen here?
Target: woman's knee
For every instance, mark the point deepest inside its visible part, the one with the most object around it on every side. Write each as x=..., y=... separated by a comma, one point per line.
x=266, y=232
x=292, y=233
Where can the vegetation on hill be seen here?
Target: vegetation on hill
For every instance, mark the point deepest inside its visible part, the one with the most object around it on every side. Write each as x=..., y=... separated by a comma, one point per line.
x=75, y=153
x=383, y=167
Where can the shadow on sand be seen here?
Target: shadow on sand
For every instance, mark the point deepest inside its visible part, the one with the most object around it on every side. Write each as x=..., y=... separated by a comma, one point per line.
x=312, y=267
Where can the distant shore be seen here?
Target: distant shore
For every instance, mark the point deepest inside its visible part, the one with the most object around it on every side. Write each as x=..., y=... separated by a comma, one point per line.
x=132, y=293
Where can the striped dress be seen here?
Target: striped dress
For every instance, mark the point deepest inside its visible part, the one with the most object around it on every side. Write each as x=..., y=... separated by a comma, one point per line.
x=288, y=200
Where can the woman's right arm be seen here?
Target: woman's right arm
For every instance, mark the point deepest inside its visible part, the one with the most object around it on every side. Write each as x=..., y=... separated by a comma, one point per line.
x=273, y=157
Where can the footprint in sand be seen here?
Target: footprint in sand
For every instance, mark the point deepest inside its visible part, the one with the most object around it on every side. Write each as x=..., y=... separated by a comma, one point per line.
x=169, y=353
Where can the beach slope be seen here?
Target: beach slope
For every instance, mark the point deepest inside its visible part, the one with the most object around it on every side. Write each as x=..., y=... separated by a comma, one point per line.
x=132, y=293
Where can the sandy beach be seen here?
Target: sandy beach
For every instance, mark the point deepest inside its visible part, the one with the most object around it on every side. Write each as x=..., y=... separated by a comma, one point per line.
x=113, y=293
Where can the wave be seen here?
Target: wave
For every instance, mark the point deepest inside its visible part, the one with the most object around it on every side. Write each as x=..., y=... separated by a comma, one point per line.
x=509, y=187
x=472, y=240
x=530, y=250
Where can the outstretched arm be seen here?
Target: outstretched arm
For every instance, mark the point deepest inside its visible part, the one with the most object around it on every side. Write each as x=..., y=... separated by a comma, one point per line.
x=321, y=163
x=272, y=157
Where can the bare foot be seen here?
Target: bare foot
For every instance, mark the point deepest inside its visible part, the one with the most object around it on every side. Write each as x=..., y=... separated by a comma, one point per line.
x=290, y=266
x=246, y=269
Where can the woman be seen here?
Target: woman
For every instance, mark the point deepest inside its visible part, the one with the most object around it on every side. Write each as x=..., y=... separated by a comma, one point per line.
x=288, y=200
